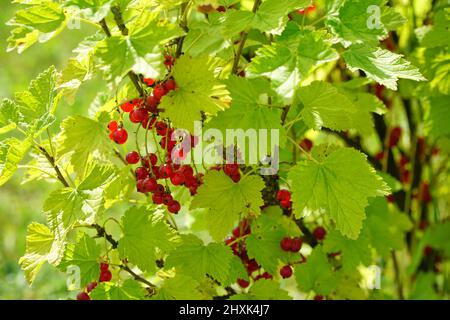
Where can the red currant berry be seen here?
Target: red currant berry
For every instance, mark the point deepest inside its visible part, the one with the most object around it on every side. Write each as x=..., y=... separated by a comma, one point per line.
x=267, y=275
x=285, y=204
x=187, y=170
x=153, y=158
x=157, y=198
x=105, y=276
x=394, y=137
x=141, y=173
x=104, y=266
x=286, y=272
x=167, y=198
x=425, y=194
x=318, y=297
x=149, y=185
x=165, y=171
x=390, y=198
x=127, y=106
x=296, y=244
x=91, y=286
x=161, y=128
x=112, y=126
x=252, y=266
x=149, y=81
x=177, y=178
x=231, y=169
x=159, y=91
x=236, y=177
x=138, y=115
x=283, y=195
x=120, y=136
x=170, y=85
x=286, y=244
x=169, y=61
x=140, y=186
x=306, y=144
x=152, y=104
x=403, y=161
x=148, y=122
x=83, y=296
x=132, y=157
x=160, y=189
x=174, y=206
x=319, y=233
x=243, y=283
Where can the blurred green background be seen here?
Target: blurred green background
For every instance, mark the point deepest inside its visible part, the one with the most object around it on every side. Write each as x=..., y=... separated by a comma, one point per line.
x=22, y=203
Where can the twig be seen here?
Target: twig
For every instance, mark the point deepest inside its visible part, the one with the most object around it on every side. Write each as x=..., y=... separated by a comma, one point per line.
x=242, y=41
x=183, y=25
x=124, y=30
x=52, y=162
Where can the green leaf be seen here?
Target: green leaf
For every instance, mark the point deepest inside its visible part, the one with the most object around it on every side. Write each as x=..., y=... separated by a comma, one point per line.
x=204, y=37
x=13, y=151
x=339, y=185
x=359, y=21
x=94, y=10
x=438, y=34
x=143, y=233
x=140, y=51
x=39, y=22
x=385, y=229
x=440, y=68
x=41, y=246
x=74, y=74
x=180, y=287
x=424, y=287
x=227, y=200
x=250, y=111
x=83, y=139
x=438, y=116
x=263, y=290
x=197, y=91
x=128, y=290
x=316, y=273
x=37, y=104
x=325, y=106
x=66, y=206
x=9, y=115
x=381, y=65
x=270, y=17
x=195, y=259
x=353, y=252
x=85, y=254
x=292, y=58
x=263, y=244
x=22, y=38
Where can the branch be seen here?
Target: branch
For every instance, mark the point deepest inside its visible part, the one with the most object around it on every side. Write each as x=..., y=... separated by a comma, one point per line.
x=124, y=30
x=52, y=162
x=119, y=20
x=242, y=41
x=183, y=25
x=101, y=232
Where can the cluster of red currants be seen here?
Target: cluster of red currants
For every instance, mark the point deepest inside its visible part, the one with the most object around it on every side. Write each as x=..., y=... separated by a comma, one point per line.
x=231, y=170
x=289, y=244
x=284, y=196
x=168, y=166
x=105, y=276
x=237, y=244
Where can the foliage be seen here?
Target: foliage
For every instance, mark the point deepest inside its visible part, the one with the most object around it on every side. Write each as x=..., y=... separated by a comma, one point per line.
x=357, y=92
